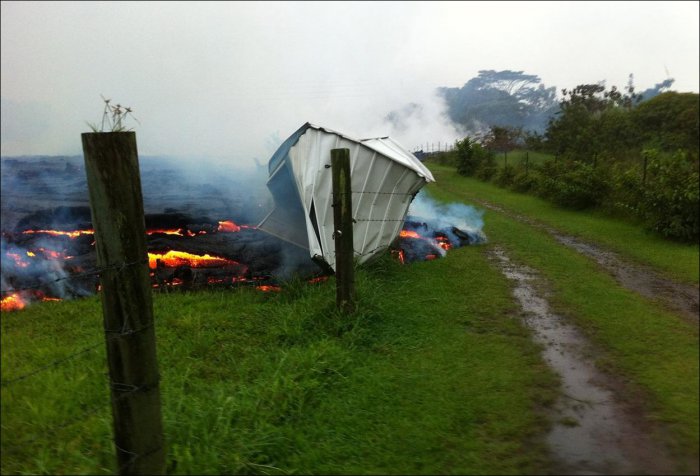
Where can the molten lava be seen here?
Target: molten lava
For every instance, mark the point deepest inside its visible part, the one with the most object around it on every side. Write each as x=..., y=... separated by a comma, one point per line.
x=49, y=254
x=227, y=226
x=173, y=259
x=18, y=259
x=171, y=267
x=268, y=288
x=443, y=242
x=13, y=302
x=173, y=231
x=409, y=234
x=439, y=242
x=70, y=234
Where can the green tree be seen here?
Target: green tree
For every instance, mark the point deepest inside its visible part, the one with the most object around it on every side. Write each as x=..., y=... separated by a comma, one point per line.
x=473, y=159
x=670, y=121
x=466, y=162
x=593, y=121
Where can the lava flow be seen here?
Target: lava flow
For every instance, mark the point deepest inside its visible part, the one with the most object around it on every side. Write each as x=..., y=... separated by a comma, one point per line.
x=13, y=302
x=70, y=234
x=414, y=246
x=182, y=252
x=174, y=259
x=17, y=301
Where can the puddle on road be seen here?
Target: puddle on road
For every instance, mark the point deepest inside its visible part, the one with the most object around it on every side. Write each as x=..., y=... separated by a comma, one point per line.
x=592, y=432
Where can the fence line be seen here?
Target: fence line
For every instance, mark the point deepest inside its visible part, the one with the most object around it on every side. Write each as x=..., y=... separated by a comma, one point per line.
x=50, y=365
x=92, y=410
x=95, y=272
x=122, y=390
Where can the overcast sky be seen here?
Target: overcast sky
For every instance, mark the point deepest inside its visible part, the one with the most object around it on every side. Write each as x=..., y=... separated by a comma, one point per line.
x=228, y=80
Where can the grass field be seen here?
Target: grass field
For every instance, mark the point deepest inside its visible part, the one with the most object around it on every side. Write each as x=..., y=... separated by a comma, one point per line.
x=434, y=374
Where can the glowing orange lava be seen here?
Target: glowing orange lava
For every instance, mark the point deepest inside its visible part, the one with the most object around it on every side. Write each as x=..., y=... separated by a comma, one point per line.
x=267, y=288
x=170, y=231
x=443, y=242
x=400, y=255
x=70, y=234
x=18, y=259
x=409, y=234
x=227, y=226
x=13, y=302
x=173, y=259
x=46, y=298
x=50, y=254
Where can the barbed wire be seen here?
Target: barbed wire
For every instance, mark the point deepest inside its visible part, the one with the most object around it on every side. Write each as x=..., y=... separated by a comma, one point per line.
x=127, y=390
x=94, y=272
x=359, y=192
x=374, y=219
x=121, y=389
x=135, y=456
x=371, y=251
x=115, y=334
x=380, y=193
x=48, y=366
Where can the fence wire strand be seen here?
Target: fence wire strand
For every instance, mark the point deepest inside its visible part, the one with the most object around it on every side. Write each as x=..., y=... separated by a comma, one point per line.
x=48, y=366
x=112, y=334
x=126, y=390
x=92, y=410
x=95, y=272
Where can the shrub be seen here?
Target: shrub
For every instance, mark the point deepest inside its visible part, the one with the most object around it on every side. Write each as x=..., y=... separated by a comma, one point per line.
x=625, y=185
x=505, y=176
x=670, y=198
x=487, y=164
x=574, y=185
x=473, y=159
x=466, y=162
x=525, y=182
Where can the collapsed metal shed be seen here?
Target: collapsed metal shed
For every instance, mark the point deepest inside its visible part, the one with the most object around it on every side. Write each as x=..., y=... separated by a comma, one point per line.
x=384, y=179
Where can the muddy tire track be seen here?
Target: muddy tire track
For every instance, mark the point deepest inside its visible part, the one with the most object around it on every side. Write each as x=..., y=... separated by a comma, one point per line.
x=593, y=430
x=683, y=299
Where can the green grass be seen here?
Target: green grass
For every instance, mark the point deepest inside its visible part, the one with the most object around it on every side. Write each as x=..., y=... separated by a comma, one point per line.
x=653, y=349
x=677, y=260
x=432, y=375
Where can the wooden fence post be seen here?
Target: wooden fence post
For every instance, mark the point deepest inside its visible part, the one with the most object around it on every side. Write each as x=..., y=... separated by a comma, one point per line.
x=527, y=162
x=342, y=223
x=116, y=204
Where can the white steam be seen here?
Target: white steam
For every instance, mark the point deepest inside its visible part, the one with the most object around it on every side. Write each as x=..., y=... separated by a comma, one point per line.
x=444, y=216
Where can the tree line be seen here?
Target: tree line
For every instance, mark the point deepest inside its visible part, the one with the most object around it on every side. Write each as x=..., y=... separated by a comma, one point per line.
x=611, y=149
